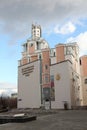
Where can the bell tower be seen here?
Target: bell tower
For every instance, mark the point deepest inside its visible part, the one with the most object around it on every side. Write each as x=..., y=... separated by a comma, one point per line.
x=36, y=31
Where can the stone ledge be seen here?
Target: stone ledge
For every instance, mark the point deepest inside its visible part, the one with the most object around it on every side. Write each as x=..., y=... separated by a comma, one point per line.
x=11, y=119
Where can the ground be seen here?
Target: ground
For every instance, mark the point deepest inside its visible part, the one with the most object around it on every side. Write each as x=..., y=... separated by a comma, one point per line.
x=52, y=120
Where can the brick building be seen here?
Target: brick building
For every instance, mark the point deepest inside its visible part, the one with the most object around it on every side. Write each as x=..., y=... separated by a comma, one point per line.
x=48, y=75
x=83, y=68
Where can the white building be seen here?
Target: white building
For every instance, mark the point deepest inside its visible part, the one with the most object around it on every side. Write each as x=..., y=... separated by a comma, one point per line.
x=30, y=92
x=48, y=76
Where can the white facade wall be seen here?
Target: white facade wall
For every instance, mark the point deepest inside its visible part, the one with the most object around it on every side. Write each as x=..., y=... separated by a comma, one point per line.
x=29, y=91
x=62, y=86
x=73, y=56
x=53, y=60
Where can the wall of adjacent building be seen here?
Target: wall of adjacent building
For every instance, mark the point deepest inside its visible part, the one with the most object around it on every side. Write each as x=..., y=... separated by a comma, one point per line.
x=60, y=53
x=83, y=69
x=29, y=91
x=62, y=84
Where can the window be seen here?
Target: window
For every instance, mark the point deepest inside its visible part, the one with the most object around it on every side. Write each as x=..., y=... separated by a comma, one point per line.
x=69, y=50
x=52, y=78
x=52, y=91
x=78, y=87
x=25, y=46
x=80, y=61
x=28, y=59
x=31, y=44
x=37, y=45
x=85, y=81
x=46, y=93
x=46, y=79
x=54, y=53
x=40, y=56
x=46, y=67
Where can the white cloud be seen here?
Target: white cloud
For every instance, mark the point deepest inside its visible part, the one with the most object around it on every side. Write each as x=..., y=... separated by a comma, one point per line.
x=2, y=91
x=65, y=29
x=7, y=88
x=17, y=15
x=81, y=40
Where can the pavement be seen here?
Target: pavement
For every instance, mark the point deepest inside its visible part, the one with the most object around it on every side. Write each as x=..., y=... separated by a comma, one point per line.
x=60, y=120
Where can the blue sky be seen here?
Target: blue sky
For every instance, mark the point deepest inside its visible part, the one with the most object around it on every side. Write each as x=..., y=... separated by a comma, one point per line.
x=61, y=21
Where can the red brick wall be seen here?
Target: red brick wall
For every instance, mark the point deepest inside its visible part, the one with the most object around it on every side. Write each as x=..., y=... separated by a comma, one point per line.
x=46, y=68
x=60, y=53
x=33, y=58
x=45, y=61
x=84, y=65
x=31, y=49
x=24, y=61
